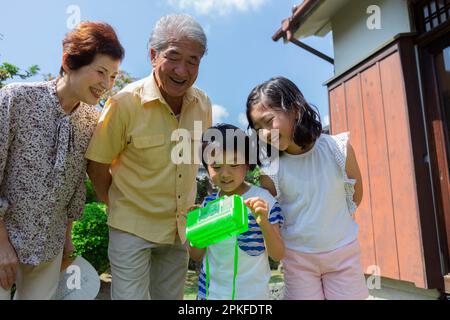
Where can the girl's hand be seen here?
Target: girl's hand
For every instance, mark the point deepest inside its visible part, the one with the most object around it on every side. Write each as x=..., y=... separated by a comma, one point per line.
x=260, y=208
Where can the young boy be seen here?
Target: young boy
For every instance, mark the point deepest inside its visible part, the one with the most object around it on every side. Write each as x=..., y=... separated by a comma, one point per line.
x=238, y=267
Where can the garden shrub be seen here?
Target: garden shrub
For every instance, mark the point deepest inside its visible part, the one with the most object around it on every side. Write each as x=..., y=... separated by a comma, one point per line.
x=90, y=236
x=90, y=193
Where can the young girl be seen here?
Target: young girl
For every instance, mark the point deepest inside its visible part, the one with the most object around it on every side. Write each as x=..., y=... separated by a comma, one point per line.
x=318, y=185
x=238, y=268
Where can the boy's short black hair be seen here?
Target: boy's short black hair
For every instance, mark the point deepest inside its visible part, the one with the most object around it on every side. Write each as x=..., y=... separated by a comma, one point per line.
x=223, y=128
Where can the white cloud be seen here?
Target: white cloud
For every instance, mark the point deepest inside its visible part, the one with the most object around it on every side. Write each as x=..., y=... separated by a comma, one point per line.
x=326, y=121
x=222, y=7
x=242, y=119
x=207, y=29
x=219, y=114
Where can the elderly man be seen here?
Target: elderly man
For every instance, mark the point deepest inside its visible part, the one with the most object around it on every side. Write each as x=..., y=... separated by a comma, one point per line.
x=147, y=192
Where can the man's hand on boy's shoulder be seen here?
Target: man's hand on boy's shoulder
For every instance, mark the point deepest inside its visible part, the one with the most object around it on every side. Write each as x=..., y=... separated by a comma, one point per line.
x=260, y=208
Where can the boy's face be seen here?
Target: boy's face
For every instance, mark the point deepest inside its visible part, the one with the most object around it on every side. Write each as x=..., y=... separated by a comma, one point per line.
x=228, y=175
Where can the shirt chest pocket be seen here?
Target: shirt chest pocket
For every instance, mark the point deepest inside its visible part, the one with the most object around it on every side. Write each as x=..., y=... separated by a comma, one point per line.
x=151, y=151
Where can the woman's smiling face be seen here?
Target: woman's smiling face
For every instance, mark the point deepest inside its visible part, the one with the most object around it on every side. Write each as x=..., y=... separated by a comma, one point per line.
x=90, y=82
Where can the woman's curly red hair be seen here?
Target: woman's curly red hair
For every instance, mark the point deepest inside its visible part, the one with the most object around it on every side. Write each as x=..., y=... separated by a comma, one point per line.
x=87, y=40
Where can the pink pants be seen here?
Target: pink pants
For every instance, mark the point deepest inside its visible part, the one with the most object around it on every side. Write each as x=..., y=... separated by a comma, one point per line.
x=334, y=275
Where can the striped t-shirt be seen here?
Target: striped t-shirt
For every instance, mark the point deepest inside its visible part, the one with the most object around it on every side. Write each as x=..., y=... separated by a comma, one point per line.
x=252, y=241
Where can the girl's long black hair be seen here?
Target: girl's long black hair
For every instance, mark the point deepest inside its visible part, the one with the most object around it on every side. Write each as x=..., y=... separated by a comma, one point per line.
x=281, y=93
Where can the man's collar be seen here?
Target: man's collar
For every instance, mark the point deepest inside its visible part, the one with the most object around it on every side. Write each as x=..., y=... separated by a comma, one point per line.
x=150, y=92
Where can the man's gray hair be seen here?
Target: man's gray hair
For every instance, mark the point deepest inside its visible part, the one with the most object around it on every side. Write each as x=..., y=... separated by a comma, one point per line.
x=179, y=25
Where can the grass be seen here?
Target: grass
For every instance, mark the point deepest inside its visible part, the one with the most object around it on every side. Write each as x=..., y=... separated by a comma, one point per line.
x=190, y=289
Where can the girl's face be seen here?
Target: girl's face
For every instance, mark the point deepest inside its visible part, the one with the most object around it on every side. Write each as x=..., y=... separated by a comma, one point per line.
x=229, y=177
x=90, y=82
x=266, y=120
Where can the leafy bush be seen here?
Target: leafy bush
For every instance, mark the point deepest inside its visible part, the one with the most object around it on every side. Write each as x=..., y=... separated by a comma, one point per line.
x=90, y=236
x=252, y=177
x=90, y=193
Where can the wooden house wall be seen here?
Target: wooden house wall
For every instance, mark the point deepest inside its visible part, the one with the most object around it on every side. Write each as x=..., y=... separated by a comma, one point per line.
x=372, y=106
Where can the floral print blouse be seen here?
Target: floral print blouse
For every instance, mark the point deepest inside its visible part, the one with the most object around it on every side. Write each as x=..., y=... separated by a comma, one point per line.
x=42, y=167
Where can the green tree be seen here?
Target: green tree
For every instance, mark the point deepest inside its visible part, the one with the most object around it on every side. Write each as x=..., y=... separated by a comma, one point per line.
x=10, y=71
x=204, y=187
x=122, y=80
x=48, y=77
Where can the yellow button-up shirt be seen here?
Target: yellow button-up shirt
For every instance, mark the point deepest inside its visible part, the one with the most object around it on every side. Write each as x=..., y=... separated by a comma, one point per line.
x=137, y=134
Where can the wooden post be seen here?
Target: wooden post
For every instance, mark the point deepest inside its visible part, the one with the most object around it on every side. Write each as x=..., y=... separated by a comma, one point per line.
x=447, y=283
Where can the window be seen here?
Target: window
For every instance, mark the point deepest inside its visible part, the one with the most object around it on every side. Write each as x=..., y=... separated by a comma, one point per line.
x=433, y=13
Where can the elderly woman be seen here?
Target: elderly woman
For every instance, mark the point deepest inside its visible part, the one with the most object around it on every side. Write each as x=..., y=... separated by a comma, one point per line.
x=45, y=129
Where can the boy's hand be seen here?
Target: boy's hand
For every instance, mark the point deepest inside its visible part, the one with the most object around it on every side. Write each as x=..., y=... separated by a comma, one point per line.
x=260, y=208
x=192, y=208
x=195, y=206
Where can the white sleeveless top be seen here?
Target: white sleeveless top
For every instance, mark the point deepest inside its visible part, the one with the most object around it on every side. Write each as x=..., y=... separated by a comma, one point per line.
x=316, y=196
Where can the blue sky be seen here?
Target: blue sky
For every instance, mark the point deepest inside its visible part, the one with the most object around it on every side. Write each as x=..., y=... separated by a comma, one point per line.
x=241, y=52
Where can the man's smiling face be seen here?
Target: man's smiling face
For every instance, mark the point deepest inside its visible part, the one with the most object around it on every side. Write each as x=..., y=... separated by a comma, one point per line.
x=176, y=67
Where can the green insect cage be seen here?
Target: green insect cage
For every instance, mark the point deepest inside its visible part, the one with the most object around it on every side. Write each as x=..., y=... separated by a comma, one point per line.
x=220, y=219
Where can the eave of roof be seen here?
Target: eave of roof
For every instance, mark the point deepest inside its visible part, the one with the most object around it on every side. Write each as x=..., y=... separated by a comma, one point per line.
x=310, y=18
x=290, y=25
